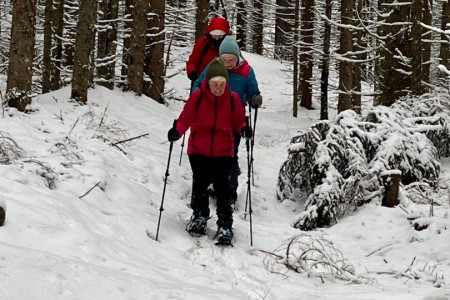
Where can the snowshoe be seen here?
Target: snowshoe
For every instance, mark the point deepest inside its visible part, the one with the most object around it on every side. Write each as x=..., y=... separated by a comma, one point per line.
x=197, y=225
x=224, y=236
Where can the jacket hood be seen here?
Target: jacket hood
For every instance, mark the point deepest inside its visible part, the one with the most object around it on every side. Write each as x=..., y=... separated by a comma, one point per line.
x=218, y=23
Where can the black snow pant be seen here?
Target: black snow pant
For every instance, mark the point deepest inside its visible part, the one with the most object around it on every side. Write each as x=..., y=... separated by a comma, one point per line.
x=213, y=170
x=235, y=170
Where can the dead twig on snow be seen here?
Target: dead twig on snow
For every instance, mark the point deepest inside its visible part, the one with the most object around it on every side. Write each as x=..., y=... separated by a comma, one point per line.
x=130, y=139
x=97, y=184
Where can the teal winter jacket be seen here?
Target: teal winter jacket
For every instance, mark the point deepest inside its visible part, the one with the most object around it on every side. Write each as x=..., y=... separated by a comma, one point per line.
x=241, y=80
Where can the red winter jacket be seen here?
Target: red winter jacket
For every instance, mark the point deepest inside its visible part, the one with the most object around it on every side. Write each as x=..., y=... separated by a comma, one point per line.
x=204, y=49
x=211, y=122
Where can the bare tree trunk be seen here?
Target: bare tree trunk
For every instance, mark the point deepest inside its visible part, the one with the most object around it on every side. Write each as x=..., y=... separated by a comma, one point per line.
x=71, y=16
x=83, y=66
x=345, y=67
x=154, y=56
x=426, y=55
x=57, y=52
x=325, y=63
x=392, y=74
x=224, y=11
x=137, y=46
x=356, y=96
x=416, y=43
x=295, y=56
x=47, y=53
x=179, y=8
x=21, y=54
x=241, y=25
x=444, y=52
x=127, y=40
x=306, y=58
x=201, y=17
x=106, y=42
x=258, y=34
x=379, y=64
x=283, y=29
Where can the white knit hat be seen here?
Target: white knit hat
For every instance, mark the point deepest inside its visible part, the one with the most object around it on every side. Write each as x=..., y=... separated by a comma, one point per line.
x=217, y=32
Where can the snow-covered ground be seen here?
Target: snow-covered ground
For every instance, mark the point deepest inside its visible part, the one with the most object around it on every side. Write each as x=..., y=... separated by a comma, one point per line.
x=83, y=209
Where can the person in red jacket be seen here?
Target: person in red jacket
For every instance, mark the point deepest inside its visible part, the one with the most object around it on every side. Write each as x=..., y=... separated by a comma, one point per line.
x=212, y=113
x=206, y=48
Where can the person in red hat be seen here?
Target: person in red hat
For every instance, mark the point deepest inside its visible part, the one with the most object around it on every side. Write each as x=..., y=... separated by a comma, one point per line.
x=206, y=48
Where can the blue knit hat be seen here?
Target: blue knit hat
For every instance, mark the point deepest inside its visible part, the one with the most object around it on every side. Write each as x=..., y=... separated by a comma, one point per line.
x=229, y=45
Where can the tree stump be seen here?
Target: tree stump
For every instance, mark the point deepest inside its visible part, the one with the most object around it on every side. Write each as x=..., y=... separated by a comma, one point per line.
x=2, y=216
x=391, y=182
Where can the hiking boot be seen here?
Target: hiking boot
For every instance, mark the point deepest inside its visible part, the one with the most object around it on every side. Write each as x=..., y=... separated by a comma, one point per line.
x=224, y=236
x=197, y=225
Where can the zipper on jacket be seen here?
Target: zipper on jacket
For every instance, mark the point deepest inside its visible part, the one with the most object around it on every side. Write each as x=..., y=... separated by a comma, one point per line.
x=214, y=125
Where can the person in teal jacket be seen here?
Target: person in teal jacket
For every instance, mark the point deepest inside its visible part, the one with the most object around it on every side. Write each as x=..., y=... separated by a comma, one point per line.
x=241, y=80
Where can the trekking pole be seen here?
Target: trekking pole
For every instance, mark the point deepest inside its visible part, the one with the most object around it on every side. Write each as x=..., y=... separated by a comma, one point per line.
x=161, y=208
x=182, y=146
x=184, y=135
x=250, y=166
x=253, y=144
x=249, y=187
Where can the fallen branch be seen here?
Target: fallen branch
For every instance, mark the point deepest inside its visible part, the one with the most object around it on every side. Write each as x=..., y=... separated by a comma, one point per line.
x=103, y=116
x=97, y=184
x=271, y=253
x=60, y=116
x=130, y=139
x=120, y=149
x=379, y=249
x=73, y=126
x=395, y=273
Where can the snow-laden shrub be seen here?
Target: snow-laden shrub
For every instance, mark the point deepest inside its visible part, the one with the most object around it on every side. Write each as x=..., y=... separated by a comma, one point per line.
x=335, y=166
x=314, y=255
x=431, y=116
x=294, y=178
x=9, y=150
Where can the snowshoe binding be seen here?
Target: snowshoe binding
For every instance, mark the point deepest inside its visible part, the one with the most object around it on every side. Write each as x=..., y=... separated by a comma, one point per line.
x=224, y=236
x=197, y=225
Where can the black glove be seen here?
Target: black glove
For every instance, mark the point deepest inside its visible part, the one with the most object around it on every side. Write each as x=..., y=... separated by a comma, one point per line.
x=256, y=101
x=247, y=132
x=173, y=134
x=193, y=76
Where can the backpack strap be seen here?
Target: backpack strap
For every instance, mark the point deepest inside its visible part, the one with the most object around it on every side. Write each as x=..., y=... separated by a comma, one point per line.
x=204, y=50
x=199, y=101
x=232, y=101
